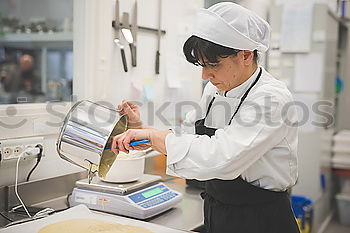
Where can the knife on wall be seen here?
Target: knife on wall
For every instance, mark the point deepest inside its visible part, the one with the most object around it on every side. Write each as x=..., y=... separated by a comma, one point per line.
x=128, y=34
x=117, y=35
x=134, y=28
x=159, y=35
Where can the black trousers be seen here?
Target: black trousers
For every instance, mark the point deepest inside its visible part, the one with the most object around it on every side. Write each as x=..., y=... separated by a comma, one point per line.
x=271, y=217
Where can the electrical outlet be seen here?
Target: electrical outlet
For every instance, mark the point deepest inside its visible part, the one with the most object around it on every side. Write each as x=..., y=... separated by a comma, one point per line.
x=7, y=152
x=13, y=148
x=17, y=151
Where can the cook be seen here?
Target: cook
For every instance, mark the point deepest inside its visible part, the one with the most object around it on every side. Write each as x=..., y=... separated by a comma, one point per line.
x=246, y=153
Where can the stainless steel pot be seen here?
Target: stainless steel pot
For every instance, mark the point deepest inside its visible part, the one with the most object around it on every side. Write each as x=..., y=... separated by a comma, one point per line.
x=87, y=130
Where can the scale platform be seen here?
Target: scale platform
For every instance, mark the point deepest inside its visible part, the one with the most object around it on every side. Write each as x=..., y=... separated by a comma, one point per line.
x=117, y=188
x=141, y=199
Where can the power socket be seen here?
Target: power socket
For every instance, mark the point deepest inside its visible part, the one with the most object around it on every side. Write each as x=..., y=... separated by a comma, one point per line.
x=7, y=152
x=17, y=151
x=11, y=149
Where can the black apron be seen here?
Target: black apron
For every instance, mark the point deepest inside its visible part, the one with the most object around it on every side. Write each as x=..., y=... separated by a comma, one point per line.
x=236, y=206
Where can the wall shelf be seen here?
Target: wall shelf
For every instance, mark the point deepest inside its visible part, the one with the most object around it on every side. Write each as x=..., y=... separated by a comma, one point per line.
x=37, y=37
x=37, y=40
x=340, y=163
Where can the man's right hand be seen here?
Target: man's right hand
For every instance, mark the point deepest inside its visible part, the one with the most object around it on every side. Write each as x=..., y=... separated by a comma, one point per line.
x=132, y=111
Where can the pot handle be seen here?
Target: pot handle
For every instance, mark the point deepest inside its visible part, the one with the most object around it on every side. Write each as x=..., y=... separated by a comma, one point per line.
x=134, y=143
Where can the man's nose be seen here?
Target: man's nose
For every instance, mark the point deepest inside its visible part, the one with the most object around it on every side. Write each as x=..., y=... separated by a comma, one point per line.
x=206, y=74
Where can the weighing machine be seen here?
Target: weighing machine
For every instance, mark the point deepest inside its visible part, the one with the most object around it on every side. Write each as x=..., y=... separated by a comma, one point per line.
x=141, y=199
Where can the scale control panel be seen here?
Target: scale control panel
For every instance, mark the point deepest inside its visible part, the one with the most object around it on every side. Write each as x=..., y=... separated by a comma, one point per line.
x=152, y=196
x=140, y=204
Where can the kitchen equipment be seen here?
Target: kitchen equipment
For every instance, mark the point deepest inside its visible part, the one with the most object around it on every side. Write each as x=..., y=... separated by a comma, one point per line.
x=126, y=168
x=87, y=130
x=159, y=35
x=127, y=34
x=117, y=35
x=141, y=199
x=134, y=28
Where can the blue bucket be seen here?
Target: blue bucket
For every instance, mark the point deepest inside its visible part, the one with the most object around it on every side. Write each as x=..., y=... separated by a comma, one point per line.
x=303, y=212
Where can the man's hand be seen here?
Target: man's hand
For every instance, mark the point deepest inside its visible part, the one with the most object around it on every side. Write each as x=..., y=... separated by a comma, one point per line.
x=133, y=113
x=157, y=138
x=123, y=140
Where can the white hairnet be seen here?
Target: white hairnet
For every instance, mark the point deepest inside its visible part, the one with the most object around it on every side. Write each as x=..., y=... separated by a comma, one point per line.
x=233, y=26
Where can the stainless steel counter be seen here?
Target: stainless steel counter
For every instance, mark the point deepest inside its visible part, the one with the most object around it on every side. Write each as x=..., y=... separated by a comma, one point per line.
x=187, y=215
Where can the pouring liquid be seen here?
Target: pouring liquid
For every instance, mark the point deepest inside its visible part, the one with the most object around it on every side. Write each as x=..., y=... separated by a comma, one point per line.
x=108, y=157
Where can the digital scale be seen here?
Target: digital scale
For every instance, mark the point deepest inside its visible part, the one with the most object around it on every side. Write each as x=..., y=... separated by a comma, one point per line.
x=141, y=199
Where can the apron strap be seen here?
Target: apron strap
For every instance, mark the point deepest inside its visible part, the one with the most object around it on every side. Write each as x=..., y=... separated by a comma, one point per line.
x=209, y=107
x=245, y=95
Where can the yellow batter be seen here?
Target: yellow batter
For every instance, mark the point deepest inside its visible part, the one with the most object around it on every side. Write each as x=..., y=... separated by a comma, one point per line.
x=108, y=156
x=91, y=226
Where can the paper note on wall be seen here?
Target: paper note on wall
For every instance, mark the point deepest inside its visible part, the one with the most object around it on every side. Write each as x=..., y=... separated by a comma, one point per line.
x=308, y=76
x=148, y=89
x=136, y=89
x=296, y=27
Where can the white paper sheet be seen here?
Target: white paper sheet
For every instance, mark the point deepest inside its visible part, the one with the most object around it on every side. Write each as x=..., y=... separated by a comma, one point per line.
x=308, y=76
x=296, y=27
x=79, y=212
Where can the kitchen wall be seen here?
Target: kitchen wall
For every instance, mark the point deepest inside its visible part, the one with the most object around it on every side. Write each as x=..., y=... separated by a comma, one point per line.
x=99, y=76
x=102, y=66
x=314, y=147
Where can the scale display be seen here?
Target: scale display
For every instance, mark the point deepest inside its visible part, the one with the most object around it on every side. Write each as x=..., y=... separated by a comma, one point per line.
x=148, y=193
x=152, y=192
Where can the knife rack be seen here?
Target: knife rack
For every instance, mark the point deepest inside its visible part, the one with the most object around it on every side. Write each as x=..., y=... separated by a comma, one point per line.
x=146, y=29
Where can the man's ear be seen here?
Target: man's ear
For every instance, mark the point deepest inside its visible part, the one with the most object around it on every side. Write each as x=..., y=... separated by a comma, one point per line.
x=248, y=56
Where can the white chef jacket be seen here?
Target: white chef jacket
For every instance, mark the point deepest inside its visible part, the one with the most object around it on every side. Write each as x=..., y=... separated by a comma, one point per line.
x=262, y=153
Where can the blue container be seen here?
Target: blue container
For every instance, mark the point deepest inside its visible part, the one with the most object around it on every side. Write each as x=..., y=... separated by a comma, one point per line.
x=303, y=212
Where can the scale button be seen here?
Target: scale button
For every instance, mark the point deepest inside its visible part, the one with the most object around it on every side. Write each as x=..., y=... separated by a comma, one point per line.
x=157, y=201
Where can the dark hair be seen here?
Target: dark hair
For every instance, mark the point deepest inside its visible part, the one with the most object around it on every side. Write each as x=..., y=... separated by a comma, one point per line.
x=197, y=49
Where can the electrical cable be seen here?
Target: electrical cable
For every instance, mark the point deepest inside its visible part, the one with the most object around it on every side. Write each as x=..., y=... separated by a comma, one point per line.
x=46, y=211
x=38, y=159
x=16, y=186
x=57, y=211
x=33, y=151
x=5, y=217
x=67, y=199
